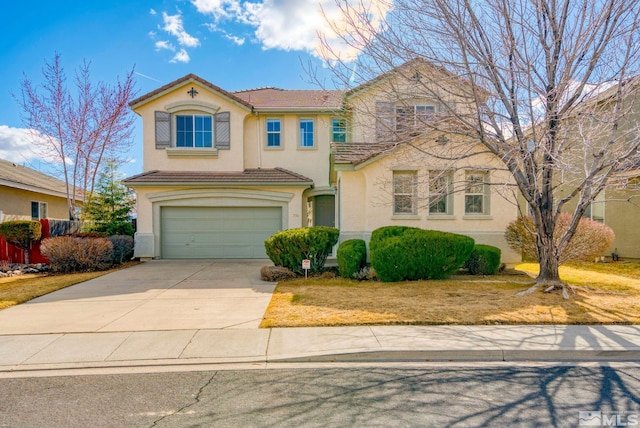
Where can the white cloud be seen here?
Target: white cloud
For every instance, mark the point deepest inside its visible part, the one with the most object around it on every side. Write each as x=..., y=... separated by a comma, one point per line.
x=295, y=24
x=174, y=26
x=165, y=44
x=219, y=9
x=152, y=12
x=17, y=145
x=235, y=39
x=181, y=56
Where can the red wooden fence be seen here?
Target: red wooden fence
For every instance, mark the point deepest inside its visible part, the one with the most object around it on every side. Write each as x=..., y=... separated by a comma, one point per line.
x=14, y=254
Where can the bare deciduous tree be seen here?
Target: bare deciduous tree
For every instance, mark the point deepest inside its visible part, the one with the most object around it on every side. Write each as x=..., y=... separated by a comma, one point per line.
x=549, y=85
x=77, y=126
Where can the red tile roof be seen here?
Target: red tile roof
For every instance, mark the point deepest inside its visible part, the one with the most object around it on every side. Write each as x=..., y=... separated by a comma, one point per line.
x=248, y=176
x=357, y=153
x=291, y=98
x=261, y=97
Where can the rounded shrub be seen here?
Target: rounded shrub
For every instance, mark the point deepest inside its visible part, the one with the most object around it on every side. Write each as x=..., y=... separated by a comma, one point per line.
x=413, y=254
x=352, y=257
x=484, y=260
x=289, y=247
x=73, y=254
x=122, y=248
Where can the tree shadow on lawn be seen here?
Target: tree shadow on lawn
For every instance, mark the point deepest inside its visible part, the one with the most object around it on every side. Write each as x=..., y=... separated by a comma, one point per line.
x=463, y=300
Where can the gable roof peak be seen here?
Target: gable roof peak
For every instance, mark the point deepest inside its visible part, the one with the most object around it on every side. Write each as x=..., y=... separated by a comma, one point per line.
x=191, y=77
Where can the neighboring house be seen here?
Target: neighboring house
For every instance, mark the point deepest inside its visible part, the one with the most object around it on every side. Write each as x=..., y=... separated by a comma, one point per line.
x=618, y=205
x=225, y=170
x=27, y=194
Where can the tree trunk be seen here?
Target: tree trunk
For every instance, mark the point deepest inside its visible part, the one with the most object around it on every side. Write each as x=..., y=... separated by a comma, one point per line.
x=548, y=257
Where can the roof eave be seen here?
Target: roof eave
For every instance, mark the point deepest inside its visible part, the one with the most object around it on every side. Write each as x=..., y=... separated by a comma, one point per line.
x=297, y=109
x=201, y=184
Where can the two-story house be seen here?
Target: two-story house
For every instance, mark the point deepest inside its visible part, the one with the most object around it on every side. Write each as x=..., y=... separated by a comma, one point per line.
x=225, y=170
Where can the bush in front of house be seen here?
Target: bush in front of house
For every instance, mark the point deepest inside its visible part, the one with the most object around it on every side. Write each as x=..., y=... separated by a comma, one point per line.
x=591, y=239
x=21, y=233
x=352, y=257
x=122, y=248
x=414, y=254
x=289, y=247
x=484, y=260
x=73, y=254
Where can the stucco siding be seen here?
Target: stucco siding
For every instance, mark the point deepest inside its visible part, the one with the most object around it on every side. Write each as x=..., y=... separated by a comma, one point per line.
x=18, y=202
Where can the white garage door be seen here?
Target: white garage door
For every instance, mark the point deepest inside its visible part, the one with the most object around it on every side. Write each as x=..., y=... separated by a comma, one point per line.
x=217, y=233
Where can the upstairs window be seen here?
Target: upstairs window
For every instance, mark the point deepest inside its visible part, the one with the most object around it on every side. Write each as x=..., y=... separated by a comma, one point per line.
x=404, y=192
x=182, y=130
x=194, y=131
x=38, y=210
x=410, y=118
x=306, y=133
x=476, y=199
x=338, y=130
x=274, y=132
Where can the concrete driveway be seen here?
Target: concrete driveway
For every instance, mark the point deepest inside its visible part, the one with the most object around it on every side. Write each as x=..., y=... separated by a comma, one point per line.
x=156, y=295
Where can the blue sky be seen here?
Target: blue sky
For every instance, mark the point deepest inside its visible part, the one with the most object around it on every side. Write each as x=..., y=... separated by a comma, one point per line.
x=235, y=44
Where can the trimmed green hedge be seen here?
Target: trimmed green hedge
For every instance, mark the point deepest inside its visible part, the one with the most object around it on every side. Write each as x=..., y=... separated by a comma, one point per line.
x=484, y=260
x=409, y=253
x=21, y=233
x=289, y=247
x=352, y=257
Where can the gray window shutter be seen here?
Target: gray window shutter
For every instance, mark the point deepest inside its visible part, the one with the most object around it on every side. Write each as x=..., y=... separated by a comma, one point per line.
x=223, y=130
x=384, y=121
x=163, y=129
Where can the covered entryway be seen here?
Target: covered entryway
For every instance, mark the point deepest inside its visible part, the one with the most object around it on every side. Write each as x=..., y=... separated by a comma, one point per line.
x=217, y=232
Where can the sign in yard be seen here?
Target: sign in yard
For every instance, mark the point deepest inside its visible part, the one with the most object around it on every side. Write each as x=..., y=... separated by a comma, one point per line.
x=306, y=265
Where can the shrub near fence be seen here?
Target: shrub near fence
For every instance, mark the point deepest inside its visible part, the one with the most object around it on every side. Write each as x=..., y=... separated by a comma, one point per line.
x=50, y=228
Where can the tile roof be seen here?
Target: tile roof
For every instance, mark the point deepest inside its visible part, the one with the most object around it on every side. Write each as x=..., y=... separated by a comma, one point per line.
x=292, y=98
x=357, y=153
x=188, y=77
x=248, y=176
x=15, y=175
x=260, y=97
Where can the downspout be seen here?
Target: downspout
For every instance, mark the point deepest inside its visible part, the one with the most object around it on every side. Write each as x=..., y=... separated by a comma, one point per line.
x=259, y=140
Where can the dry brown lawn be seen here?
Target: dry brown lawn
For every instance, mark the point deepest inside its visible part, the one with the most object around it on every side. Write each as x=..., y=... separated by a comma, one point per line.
x=608, y=294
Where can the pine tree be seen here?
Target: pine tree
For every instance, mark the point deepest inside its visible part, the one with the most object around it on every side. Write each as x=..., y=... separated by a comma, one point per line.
x=108, y=210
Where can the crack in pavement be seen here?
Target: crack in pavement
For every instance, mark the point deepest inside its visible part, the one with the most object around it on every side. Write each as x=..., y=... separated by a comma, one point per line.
x=195, y=401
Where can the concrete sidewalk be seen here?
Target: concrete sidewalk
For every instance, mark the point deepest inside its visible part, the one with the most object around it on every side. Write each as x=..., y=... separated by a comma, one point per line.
x=41, y=352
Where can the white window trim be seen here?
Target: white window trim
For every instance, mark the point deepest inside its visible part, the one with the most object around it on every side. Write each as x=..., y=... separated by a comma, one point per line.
x=266, y=133
x=315, y=136
x=486, y=197
x=333, y=133
x=449, y=200
x=40, y=206
x=174, y=131
x=414, y=194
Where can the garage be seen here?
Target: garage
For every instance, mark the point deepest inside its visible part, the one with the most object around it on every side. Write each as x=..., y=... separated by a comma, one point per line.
x=217, y=232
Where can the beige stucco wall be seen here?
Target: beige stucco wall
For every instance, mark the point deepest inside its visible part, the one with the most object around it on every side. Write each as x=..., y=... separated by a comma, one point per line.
x=18, y=202
x=310, y=162
x=151, y=200
x=160, y=159
x=366, y=194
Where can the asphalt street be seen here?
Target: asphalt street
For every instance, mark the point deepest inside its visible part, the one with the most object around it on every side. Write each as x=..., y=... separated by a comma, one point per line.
x=528, y=395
